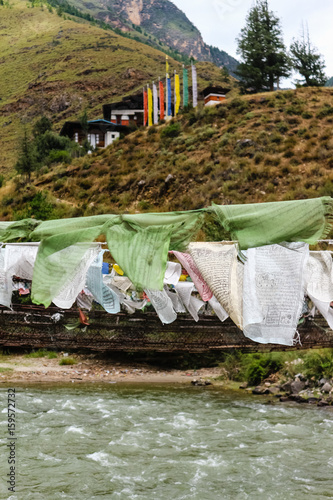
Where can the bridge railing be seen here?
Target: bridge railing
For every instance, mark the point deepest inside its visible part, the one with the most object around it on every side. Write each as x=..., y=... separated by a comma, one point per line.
x=37, y=327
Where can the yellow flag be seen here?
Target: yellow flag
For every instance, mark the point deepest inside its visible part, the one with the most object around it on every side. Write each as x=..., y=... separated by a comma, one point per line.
x=166, y=64
x=177, y=94
x=150, y=107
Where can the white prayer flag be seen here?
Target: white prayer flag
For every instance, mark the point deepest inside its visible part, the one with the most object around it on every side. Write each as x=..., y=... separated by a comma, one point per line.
x=155, y=105
x=194, y=86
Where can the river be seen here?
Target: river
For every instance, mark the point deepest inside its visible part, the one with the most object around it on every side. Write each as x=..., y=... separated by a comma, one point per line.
x=147, y=442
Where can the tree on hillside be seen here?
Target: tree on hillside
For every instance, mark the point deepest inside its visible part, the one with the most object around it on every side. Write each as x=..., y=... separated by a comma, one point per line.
x=307, y=61
x=261, y=47
x=27, y=160
x=41, y=126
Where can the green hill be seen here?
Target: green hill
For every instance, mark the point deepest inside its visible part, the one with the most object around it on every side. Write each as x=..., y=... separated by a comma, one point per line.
x=265, y=147
x=157, y=21
x=59, y=66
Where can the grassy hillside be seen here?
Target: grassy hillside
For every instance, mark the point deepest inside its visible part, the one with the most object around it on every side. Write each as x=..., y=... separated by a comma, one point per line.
x=160, y=22
x=275, y=146
x=59, y=67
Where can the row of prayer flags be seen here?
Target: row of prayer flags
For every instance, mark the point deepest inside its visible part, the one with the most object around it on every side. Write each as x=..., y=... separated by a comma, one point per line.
x=154, y=104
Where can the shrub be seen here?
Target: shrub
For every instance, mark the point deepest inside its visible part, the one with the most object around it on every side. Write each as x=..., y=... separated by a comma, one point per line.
x=282, y=127
x=319, y=364
x=239, y=104
x=325, y=111
x=307, y=115
x=260, y=366
x=172, y=130
x=58, y=156
x=41, y=353
x=67, y=361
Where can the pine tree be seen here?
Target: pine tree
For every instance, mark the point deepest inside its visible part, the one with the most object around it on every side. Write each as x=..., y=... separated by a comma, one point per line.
x=27, y=160
x=307, y=61
x=262, y=50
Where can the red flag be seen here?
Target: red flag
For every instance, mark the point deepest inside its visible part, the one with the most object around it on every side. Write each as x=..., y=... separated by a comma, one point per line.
x=161, y=101
x=145, y=107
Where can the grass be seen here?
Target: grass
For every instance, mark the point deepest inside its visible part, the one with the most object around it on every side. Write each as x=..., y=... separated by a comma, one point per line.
x=42, y=353
x=5, y=370
x=67, y=361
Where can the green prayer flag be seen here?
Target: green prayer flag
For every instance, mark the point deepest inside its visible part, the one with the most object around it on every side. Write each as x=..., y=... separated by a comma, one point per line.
x=259, y=224
x=12, y=231
x=139, y=243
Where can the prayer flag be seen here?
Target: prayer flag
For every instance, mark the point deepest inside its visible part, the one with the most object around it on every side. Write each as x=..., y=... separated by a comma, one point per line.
x=150, y=107
x=177, y=94
x=194, y=86
x=161, y=100
x=155, y=99
x=166, y=64
x=145, y=107
x=169, y=98
x=185, y=87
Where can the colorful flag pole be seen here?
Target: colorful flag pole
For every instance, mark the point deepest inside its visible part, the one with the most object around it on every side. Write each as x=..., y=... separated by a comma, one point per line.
x=155, y=99
x=185, y=87
x=161, y=100
x=145, y=107
x=166, y=87
x=194, y=86
x=177, y=94
x=150, y=107
x=169, y=98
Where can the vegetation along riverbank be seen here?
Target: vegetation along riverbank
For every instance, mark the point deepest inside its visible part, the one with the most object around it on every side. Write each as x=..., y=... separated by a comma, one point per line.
x=303, y=377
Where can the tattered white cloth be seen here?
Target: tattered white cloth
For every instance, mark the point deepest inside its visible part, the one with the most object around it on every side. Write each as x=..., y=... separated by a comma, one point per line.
x=319, y=283
x=274, y=282
x=184, y=290
x=20, y=260
x=172, y=273
x=6, y=287
x=71, y=289
x=162, y=305
x=223, y=272
x=218, y=309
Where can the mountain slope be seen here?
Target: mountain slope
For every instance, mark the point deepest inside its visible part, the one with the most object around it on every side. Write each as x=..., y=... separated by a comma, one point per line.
x=265, y=147
x=60, y=67
x=161, y=19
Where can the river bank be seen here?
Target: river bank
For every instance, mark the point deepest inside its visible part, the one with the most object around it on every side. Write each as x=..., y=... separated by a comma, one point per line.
x=304, y=377
x=88, y=368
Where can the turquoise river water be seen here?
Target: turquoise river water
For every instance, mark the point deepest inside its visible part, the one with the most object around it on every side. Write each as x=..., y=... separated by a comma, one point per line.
x=113, y=441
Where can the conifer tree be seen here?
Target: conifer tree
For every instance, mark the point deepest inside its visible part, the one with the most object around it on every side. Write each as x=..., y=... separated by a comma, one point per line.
x=27, y=159
x=261, y=47
x=307, y=61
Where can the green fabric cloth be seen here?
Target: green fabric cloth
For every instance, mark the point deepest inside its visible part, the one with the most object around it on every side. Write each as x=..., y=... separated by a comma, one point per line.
x=12, y=231
x=259, y=224
x=139, y=243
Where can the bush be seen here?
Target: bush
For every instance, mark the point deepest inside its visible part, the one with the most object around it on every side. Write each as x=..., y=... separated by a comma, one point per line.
x=41, y=353
x=319, y=364
x=325, y=111
x=260, y=366
x=172, y=130
x=58, y=156
x=67, y=361
x=282, y=127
